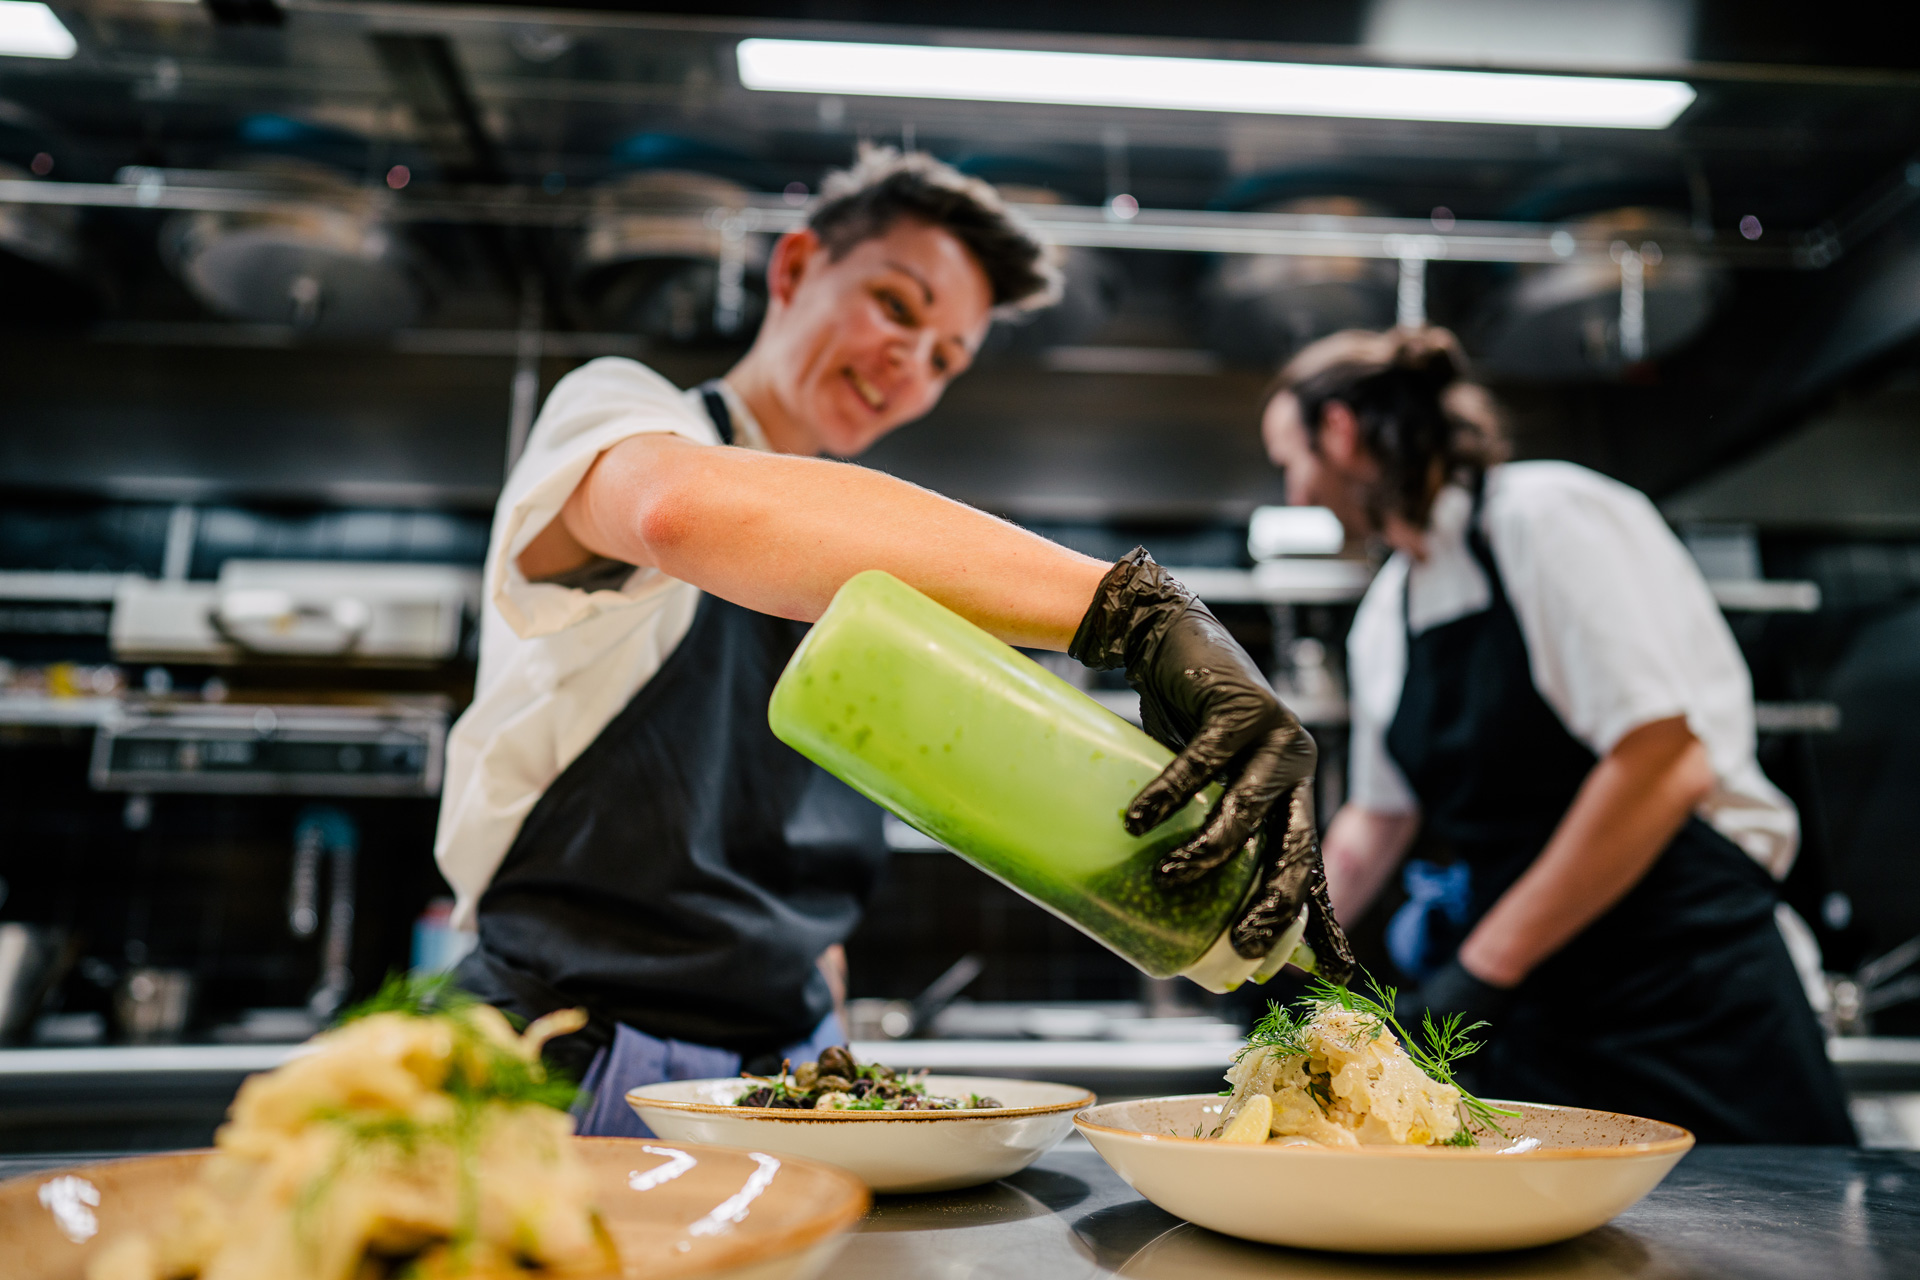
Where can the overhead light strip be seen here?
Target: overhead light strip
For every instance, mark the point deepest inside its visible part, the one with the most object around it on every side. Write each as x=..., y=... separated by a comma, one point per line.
x=28, y=29
x=1209, y=84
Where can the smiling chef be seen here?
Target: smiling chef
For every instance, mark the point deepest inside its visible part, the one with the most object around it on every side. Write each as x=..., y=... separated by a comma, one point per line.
x=619, y=822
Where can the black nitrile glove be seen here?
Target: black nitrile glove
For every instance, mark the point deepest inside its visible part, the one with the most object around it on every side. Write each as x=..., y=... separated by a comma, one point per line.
x=1202, y=697
x=1451, y=989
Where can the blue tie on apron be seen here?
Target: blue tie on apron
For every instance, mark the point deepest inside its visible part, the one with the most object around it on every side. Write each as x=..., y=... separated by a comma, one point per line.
x=1424, y=931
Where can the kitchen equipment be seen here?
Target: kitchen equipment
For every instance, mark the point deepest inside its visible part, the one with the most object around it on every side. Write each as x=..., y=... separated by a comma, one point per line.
x=326, y=261
x=1565, y=320
x=893, y=1152
x=673, y=1210
x=33, y=959
x=323, y=832
x=151, y=1006
x=353, y=610
x=1561, y=1171
x=1260, y=308
x=1015, y=770
x=658, y=260
x=374, y=746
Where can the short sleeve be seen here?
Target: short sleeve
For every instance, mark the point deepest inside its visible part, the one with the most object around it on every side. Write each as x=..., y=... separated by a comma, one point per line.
x=1620, y=627
x=1376, y=670
x=589, y=411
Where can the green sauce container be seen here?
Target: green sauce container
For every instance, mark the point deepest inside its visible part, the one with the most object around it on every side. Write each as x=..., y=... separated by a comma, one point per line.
x=1013, y=769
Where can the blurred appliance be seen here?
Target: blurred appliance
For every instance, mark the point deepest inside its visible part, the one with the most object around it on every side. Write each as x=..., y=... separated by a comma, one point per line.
x=660, y=259
x=352, y=610
x=325, y=833
x=372, y=746
x=1263, y=307
x=33, y=959
x=150, y=1006
x=331, y=265
x=1564, y=320
x=42, y=267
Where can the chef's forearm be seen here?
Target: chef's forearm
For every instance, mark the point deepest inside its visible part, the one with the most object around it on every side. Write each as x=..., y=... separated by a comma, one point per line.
x=1627, y=810
x=781, y=534
x=1361, y=849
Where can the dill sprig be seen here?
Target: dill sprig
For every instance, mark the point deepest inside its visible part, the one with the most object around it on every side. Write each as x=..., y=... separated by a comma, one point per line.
x=1442, y=1044
x=1280, y=1028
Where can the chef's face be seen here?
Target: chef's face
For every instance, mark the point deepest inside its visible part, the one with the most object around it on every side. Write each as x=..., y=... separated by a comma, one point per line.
x=1333, y=471
x=867, y=342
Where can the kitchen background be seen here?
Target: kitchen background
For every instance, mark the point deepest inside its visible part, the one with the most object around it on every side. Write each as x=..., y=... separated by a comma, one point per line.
x=282, y=283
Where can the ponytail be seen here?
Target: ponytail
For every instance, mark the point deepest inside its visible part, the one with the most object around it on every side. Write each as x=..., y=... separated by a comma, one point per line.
x=1421, y=420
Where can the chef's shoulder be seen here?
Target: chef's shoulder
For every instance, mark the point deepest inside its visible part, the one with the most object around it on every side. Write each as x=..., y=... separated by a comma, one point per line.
x=1549, y=502
x=614, y=396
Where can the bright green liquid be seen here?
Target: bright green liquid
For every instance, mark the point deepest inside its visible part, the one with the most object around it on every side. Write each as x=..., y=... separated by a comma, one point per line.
x=1012, y=768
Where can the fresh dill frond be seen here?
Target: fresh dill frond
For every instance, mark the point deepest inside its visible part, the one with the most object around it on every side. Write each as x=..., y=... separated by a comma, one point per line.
x=1280, y=1029
x=417, y=996
x=1462, y=1137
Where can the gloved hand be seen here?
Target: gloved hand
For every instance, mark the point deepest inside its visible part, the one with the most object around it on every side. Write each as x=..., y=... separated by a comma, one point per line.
x=1452, y=989
x=1202, y=697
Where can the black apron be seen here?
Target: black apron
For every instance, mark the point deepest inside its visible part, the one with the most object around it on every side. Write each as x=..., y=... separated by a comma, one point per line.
x=685, y=872
x=1680, y=1003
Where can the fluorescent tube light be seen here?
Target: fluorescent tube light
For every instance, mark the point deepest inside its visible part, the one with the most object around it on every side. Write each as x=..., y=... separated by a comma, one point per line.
x=28, y=29
x=1209, y=84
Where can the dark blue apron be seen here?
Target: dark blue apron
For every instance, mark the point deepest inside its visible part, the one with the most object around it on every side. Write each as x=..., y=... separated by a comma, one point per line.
x=1680, y=1002
x=680, y=878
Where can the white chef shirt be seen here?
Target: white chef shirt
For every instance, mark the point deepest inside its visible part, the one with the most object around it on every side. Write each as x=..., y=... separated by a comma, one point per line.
x=1620, y=630
x=557, y=663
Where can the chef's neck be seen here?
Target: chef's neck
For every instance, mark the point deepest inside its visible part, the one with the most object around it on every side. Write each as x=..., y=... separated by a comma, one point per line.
x=783, y=429
x=1402, y=535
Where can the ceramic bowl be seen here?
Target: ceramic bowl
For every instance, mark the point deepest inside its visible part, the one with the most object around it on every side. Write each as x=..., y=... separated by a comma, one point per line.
x=1560, y=1172
x=894, y=1152
x=674, y=1210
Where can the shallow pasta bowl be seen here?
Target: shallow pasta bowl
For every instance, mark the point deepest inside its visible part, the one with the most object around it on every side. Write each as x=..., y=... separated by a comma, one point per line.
x=1560, y=1171
x=893, y=1152
x=675, y=1210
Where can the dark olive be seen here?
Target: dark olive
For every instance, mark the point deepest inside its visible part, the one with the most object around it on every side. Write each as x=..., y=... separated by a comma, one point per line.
x=838, y=1061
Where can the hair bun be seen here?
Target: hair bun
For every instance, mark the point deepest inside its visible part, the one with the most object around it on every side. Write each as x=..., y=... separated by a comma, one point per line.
x=1431, y=355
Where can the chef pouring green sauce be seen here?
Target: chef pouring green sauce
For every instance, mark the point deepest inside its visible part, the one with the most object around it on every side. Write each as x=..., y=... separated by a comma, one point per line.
x=620, y=823
x=1551, y=715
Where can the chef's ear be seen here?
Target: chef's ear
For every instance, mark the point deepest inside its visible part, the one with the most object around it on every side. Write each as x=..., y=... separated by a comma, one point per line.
x=1338, y=439
x=794, y=254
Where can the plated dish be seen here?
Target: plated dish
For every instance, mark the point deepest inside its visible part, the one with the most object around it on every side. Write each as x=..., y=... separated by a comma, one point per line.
x=422, y=1139
x=1344, y=1130
x=840, y=1082
x=892, y=1151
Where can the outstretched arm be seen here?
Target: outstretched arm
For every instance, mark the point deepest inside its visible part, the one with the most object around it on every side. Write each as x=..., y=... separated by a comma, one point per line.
x=780, y=534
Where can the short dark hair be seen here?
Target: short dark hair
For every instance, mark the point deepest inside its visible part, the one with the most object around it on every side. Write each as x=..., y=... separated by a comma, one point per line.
x=883, y=186
x=1422, y=419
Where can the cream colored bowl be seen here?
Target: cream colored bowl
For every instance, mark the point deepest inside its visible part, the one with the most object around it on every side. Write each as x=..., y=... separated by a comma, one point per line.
x=894, y=1152
x=675, y=1210
x=1561, y=1171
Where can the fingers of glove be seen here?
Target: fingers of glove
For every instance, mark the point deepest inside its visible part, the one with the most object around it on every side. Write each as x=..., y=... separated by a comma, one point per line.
x=1331, y=950
x=1272, y=911
x=1211, y=750
x=1241, y=814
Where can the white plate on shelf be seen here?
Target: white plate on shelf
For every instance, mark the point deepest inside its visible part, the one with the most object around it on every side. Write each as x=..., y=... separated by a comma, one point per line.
x=893, y=1152
x=1559, y=1172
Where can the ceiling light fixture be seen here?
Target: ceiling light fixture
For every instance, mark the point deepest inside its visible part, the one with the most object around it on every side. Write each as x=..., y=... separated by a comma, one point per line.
x=28, y=29
x=1209, y=84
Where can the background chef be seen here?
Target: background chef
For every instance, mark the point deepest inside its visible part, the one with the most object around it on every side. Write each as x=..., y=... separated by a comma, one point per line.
x=1548, y=705
x=618, y=819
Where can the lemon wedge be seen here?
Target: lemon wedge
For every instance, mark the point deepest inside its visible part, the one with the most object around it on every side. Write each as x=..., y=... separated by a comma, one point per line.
x=1251, y=1125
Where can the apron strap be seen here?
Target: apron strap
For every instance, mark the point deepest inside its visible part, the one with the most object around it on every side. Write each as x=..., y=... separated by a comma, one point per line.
x=717, y=410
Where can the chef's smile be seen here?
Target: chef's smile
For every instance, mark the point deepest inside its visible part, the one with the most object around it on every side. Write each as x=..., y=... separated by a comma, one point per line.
x=867, y=392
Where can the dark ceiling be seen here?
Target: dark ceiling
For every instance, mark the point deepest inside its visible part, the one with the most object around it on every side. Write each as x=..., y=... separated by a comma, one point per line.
x=1802, y=124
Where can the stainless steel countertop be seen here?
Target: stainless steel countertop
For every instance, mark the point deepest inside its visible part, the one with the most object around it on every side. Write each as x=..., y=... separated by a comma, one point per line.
x=1726, y=1213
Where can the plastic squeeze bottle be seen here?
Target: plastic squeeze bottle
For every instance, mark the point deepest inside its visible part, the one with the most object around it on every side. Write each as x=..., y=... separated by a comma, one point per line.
x=1013, y=769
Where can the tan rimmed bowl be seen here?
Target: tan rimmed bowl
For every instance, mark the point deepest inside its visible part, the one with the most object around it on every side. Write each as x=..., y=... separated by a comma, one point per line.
x=1559, y=1172
x=893, y=1152
x=675, y=1210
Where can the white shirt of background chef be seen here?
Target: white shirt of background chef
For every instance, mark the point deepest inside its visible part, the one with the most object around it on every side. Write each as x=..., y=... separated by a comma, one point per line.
x=1620, y=630
x=557, y=663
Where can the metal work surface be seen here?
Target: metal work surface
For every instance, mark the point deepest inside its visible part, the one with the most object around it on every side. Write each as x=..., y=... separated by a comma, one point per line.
x=1729, y=1213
